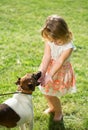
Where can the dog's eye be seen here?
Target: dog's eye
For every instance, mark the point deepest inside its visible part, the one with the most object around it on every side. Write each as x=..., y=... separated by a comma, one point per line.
x=30, y=85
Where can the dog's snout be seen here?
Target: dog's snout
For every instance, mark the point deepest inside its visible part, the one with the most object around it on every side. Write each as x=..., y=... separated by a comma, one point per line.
x=37, y=75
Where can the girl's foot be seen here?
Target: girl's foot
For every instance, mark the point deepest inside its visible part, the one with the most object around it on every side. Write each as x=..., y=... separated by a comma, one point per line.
x=49, y=110
x=58, y=117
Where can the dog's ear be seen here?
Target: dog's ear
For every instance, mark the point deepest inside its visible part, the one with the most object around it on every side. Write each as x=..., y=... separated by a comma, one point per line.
x=18, y=81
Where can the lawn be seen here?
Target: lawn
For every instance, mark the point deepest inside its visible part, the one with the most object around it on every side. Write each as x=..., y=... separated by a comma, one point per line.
x=21, y=51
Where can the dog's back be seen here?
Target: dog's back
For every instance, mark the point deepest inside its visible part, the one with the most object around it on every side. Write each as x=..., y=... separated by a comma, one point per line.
x=22, y=105
x=16, y=110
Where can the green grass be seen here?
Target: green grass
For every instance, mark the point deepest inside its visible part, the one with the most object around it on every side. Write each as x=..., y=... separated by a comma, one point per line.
x=21, y=50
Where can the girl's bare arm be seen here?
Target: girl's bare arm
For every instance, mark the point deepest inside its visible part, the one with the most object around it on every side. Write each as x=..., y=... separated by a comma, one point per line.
x=59, y=62
x=45, y=59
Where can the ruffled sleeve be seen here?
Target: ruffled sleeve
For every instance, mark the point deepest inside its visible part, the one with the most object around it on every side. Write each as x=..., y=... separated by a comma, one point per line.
x=50, y=44
x=68, y=46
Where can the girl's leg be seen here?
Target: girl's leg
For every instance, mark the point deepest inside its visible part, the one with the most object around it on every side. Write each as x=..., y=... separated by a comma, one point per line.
x=50, y=105
x=54, y=106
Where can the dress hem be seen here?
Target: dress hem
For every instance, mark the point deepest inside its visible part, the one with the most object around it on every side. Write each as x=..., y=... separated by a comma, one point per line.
x=59, y=94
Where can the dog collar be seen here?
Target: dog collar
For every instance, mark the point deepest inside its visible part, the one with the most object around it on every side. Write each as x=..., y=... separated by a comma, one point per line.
x=24, y=91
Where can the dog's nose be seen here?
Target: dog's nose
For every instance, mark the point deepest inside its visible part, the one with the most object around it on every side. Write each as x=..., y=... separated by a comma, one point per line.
x=37, y=75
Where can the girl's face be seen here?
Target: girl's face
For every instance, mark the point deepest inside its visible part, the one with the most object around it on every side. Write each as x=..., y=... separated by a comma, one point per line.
x=58, y=42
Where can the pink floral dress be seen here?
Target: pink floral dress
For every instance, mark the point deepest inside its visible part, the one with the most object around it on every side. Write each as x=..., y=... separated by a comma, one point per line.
x=64, y=79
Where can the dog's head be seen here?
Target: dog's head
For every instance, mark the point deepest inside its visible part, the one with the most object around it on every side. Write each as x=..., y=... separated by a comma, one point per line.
x=29, y=81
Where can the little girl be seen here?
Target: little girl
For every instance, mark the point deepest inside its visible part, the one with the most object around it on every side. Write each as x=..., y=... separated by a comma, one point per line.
x=57, y=74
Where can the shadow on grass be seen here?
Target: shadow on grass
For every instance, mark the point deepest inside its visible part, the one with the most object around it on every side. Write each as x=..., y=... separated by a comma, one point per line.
x=55, y=125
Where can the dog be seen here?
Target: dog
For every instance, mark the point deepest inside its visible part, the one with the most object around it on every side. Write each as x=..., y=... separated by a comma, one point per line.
x=18, y=110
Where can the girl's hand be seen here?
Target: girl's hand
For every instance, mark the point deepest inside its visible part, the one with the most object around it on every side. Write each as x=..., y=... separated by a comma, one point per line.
x=46, y=80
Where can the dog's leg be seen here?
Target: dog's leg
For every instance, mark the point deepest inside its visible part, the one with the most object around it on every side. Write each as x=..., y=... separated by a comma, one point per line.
x=23, y=127
x=4, y=128
x=7, y=129
x=30, y=125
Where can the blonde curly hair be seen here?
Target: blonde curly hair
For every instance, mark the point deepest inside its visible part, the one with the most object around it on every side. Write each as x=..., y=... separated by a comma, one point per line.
x=56, y=28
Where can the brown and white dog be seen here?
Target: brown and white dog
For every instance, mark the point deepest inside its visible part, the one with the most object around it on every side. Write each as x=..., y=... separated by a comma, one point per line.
x=18, y=110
